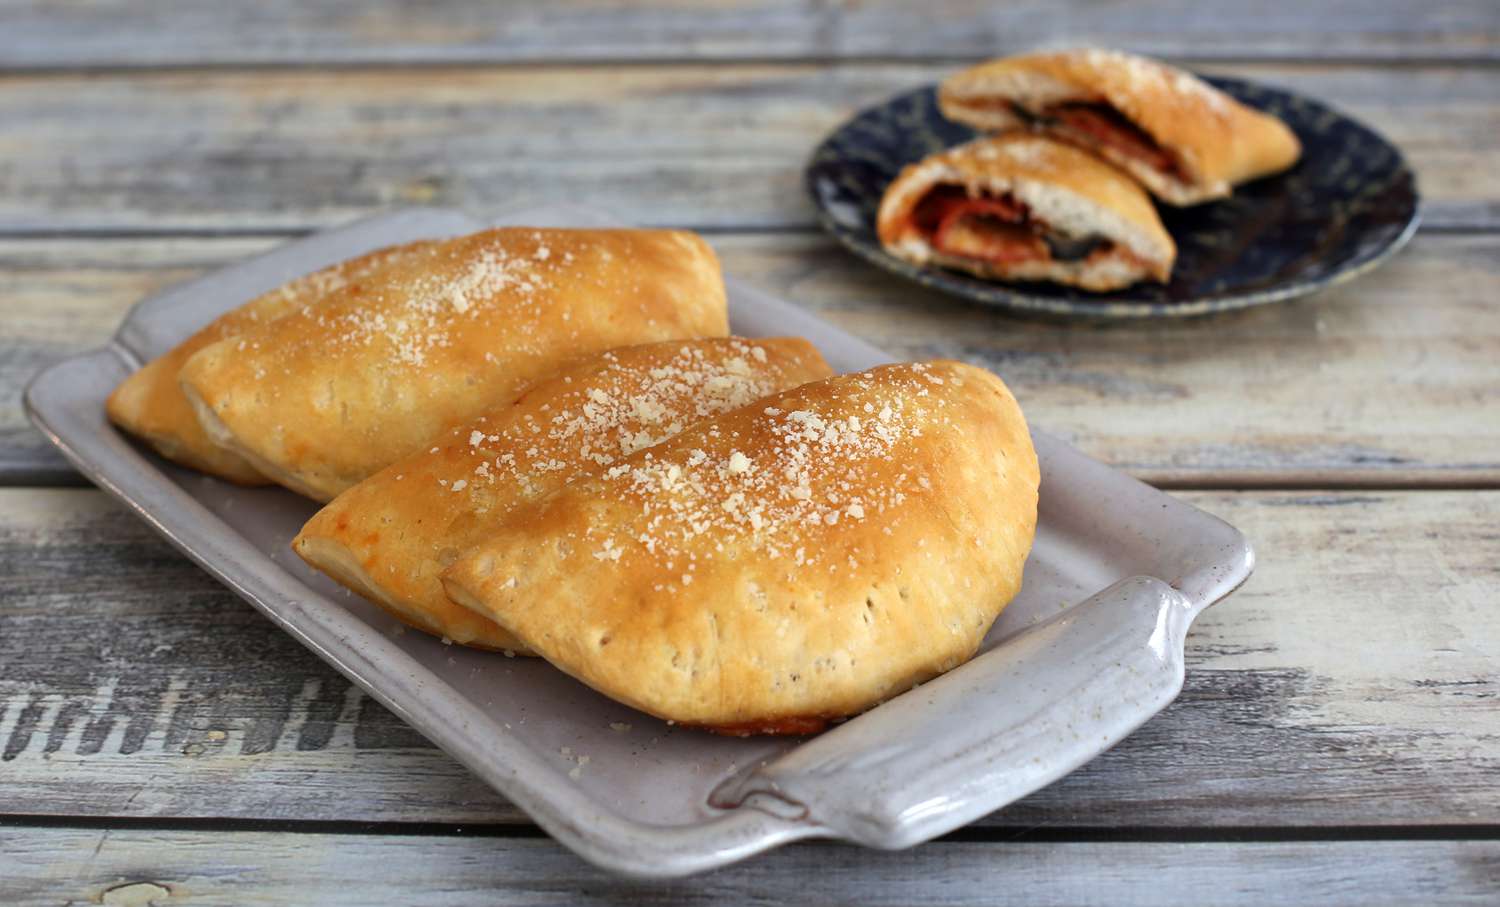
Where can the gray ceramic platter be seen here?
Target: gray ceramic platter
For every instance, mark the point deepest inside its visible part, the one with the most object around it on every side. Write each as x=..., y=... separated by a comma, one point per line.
x=1090, y=649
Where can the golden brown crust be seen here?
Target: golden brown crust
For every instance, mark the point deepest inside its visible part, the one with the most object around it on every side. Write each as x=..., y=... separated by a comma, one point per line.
x=390, y=537
x=150, y=405
x=1217, y=141
x=1060, y=184
x=798, y=559
x=325, y=397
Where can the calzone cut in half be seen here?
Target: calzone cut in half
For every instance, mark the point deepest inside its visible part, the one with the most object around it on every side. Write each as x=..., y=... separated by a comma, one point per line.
x=150, y=405
x=792, y=561
x=330, y=394
x=390, y=537
x=1185, y=140
x=1026, y=207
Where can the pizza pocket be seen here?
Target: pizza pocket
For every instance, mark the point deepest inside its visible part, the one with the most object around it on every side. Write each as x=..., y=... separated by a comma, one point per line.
x=150, y=405
x=1185, y=140
x=390, y=537
x=1026, y=207
x=327, y=396
x=789, y=562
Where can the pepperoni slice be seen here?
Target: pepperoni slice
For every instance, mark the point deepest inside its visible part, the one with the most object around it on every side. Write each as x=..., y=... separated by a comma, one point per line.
x=996, y=229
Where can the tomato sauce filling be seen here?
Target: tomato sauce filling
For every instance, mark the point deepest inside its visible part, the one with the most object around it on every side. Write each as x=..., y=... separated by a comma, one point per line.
x=996, y=229
x=1106, y=126
x=1100, y=124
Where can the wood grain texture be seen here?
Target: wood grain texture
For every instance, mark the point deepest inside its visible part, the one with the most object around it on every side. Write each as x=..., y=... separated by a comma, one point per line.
x=1351, y=682
x=63, y=865
x=1389, y=380
x=711, y=146
x=181, y=32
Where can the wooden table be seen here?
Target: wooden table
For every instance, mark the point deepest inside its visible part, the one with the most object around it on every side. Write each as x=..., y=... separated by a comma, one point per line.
x=1338, y=739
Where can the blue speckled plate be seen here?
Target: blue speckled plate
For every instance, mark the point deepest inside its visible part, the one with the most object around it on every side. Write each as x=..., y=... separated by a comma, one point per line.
x=1349, y=204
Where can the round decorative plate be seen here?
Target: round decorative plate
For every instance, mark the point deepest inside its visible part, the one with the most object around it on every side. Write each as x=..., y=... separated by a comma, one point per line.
x=1350, y=203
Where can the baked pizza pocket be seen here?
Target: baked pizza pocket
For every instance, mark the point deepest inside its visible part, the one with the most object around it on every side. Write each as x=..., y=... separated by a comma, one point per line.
x=327, y=396
x=390, y=537
x=1026, y=207
x=1183, y=139
x=793, y=561
x=150, y=405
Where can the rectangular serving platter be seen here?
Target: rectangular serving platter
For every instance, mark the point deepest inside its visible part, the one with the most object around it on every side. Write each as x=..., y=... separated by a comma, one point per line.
x=1090, y=649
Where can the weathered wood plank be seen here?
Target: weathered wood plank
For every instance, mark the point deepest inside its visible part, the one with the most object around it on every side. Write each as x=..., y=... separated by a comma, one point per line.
x=62, y=297
x=715, y=146
x=1389, y=380
x=64, y=865
x=180, y=32
x=1351, y=682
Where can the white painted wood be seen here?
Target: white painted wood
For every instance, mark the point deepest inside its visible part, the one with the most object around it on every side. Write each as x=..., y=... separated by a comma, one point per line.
x=1350, y=682
x=180, y=32
x=1390, y=379
x=48, y=866
x=716, y=146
